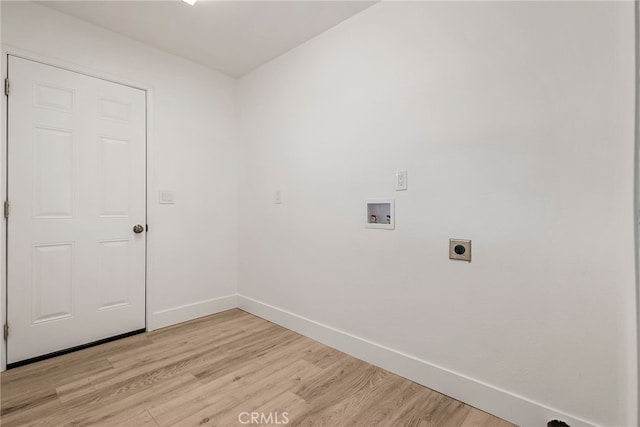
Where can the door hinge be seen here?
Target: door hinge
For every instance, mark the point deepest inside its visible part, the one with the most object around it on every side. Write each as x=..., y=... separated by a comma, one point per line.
x=6, y=209
x=6, y=331
x=6, y=86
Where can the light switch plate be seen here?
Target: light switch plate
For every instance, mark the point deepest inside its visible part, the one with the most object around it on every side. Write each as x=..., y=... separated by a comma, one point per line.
x=460, y=249
x=277, y=197
x=401, y=180
x=166, y=197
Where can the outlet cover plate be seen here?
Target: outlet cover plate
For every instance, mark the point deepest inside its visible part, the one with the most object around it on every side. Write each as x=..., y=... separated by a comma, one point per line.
x=166, y=197
x=460, y=249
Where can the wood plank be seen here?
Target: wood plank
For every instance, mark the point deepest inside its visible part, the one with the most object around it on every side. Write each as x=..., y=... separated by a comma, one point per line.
x=209, y=371
x=285, y=407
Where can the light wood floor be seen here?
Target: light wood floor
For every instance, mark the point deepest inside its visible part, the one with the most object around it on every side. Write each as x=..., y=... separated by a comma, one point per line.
x=211, y=370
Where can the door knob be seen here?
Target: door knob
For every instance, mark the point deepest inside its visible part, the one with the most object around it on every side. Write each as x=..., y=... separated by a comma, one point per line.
x=138, y=228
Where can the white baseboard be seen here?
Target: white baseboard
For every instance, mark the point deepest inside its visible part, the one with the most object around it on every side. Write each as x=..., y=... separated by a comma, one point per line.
x=501, y=403
x=183, y=313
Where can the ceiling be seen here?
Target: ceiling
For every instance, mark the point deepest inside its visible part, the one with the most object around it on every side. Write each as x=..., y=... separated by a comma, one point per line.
x=233, y=37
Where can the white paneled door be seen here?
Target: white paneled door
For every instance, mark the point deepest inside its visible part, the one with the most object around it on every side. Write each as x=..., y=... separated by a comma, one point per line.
x=76, y=190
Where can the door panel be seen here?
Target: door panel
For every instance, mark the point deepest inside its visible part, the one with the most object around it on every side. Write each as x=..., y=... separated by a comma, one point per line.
x=114, y=274
x=52, y=173
x=77, y=186
x=52, y=282
x=114, y=177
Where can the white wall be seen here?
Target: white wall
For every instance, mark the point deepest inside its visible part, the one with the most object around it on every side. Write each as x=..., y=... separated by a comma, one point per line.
x=515, y=121
x=192, y=151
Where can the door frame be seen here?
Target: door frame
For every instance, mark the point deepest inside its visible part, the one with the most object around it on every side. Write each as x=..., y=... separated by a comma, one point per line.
x=9, y=50
x=636, y=193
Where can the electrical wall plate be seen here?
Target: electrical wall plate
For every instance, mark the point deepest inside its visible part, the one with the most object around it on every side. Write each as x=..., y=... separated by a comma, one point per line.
x=460, y=249
x=166, y=197
x=401, y=180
